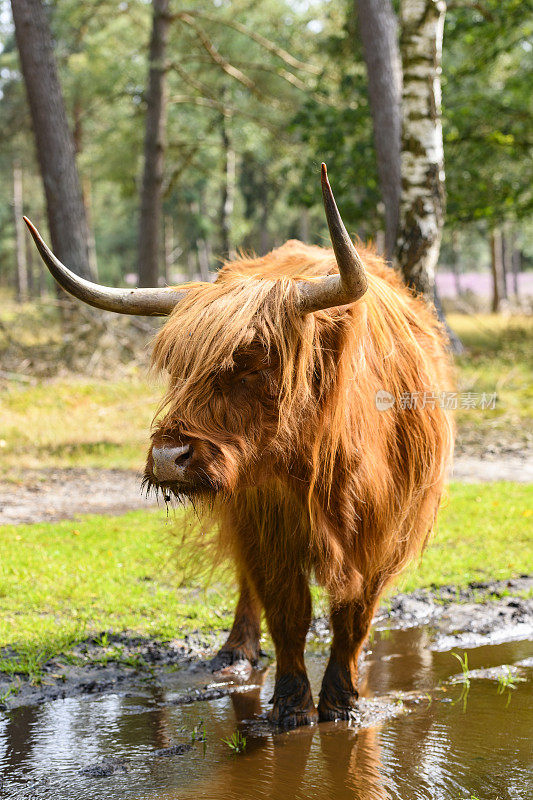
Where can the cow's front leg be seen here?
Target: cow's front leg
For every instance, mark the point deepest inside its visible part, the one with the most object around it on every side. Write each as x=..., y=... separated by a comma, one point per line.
x=287, y=603
x=350, y=623
x=243, y=642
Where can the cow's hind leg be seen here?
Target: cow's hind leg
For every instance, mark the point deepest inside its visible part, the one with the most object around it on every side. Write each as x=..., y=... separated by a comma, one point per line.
x=243, y=642
x=350, y=623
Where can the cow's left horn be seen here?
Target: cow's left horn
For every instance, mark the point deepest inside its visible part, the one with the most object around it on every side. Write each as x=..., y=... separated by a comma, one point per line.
x=351, y=282
x=144, y=302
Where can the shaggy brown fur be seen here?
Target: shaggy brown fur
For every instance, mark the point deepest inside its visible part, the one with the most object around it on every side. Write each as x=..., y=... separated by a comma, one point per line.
x=302, y=472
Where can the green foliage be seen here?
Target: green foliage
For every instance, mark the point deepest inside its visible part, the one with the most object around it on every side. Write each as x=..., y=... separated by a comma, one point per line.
x=487, y=75
x=294, y=98
x=506, y=681
x=236, y=742
x=466, y=678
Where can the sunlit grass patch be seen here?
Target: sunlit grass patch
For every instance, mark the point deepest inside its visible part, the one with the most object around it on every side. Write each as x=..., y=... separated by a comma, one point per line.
x=65, y=581
x=498, y=359
x=483, y=532
x=75, y=422
x=61, y=582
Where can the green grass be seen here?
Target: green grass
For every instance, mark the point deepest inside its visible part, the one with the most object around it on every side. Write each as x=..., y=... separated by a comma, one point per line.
x=75, y=422
x=484, y=532
x=62, y=582
x=497, y=359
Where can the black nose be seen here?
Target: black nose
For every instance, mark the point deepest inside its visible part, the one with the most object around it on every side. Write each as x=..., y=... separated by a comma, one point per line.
x=170, y=462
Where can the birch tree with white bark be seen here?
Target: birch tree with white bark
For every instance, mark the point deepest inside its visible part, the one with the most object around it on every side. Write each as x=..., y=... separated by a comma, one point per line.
x=422, y=201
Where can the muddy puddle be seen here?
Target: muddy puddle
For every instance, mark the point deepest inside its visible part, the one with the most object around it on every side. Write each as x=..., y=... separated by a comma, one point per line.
x=422, y=732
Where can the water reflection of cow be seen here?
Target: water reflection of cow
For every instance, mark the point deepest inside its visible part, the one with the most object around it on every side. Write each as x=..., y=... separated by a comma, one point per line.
x=327, y=760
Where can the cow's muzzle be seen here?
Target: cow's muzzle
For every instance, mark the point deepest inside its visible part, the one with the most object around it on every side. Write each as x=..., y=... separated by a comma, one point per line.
x=170, y=463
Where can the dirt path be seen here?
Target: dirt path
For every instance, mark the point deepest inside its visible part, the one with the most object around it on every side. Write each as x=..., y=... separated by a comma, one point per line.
x=50, y=494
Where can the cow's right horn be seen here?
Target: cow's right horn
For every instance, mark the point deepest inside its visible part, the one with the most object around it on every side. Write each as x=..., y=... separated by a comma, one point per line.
x=144, y=302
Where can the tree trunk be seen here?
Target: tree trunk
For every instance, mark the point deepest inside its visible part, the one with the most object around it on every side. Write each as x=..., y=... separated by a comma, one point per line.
x=20, y=241
x=304, y=226
x=168, y=241
x=33, y=289
x=507, y=260
x=422, y=161
x=378, y=28
x=86, y=192
x=496, y=269
x=517, y=257
x=87, y=195
x=204, y=257
x=55, y=147
x=191, y=264
x=455, y=266
x=264, y=233
x=154, y=148
x=228, y=191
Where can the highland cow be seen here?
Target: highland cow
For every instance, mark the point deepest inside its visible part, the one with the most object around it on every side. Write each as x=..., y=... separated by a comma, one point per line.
x=271, y=418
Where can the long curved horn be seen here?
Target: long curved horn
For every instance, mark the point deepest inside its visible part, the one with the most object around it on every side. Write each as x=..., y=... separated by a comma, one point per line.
x=351, y=282
x=144, y=302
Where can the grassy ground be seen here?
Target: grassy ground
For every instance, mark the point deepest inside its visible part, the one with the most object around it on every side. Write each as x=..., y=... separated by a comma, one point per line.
x=104, y=422
x=62, y=582
x=497, y=359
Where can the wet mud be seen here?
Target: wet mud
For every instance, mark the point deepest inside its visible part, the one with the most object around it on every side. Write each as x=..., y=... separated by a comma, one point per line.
x=482, y=613
x=428, y=725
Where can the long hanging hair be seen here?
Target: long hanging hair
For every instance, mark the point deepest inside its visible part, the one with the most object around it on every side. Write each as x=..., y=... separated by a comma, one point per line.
x=373, y=478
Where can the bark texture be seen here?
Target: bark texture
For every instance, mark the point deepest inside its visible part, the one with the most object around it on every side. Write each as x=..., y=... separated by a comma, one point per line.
x=496, y=263
x=154, y=148
x=228, y=190
x=20, y=241
x=378, y=28
x=422, y=161
x=53, y=138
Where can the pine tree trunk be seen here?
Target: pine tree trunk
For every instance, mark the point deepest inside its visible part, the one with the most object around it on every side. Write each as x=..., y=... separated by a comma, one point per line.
x=154, y=148
x=20, y=241
x=496, y=269
x=304, y=226
x=228, y=191
x=507, y=260
x=87, y=195
x=168, y=241
x=455, y=266
x=204, y=257
x=55, y=147
x=517, y=257
x=264, y=234
x=378, y=28
x=422, y=162
x=33, y=290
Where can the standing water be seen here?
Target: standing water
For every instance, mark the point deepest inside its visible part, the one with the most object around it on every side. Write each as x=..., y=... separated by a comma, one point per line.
x=430, y=733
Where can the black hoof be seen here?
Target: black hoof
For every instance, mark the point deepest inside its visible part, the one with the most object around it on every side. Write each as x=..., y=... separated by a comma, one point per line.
x=229, y=658
x=293, y=703
x=335, y=713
